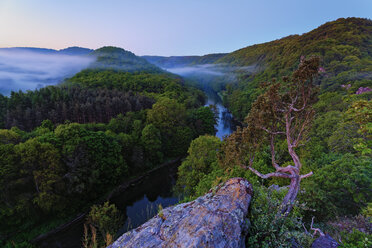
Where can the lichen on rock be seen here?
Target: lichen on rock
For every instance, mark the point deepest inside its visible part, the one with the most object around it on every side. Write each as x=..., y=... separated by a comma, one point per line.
x=217, y=219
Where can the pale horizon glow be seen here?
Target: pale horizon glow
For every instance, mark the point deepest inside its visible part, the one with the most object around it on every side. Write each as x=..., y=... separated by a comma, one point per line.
x=165, y=27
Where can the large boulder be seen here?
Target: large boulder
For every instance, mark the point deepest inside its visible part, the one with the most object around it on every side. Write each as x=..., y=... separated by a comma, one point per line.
x=325, y=241
x=217, y=219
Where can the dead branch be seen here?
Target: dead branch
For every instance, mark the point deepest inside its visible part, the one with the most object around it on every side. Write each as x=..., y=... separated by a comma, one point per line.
x=306, y=175
x=316, y=229
x=268, y=175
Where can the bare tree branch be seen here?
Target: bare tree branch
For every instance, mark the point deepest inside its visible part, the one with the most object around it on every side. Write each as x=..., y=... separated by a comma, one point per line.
x=291, y=169
x=300, y=109
x=305, y=228
x=270, y=132
x=268, y=175
x=306, y=175
x=315, y=229
x=304, y=124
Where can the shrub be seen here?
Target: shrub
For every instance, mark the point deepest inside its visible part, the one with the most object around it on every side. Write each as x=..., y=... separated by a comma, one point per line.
x=268, y=229
x=356, y=239
x=107, y=220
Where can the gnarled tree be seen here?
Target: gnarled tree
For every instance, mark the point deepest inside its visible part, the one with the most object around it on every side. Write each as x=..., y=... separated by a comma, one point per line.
x=283, y=111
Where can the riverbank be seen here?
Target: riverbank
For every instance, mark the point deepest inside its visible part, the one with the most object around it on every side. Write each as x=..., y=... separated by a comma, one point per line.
x=69, y=234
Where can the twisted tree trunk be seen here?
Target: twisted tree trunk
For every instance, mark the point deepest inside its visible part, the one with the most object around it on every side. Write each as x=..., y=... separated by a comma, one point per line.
x=290, y=197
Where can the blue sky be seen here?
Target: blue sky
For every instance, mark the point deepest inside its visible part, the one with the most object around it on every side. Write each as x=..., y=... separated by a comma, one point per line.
x=166, y=27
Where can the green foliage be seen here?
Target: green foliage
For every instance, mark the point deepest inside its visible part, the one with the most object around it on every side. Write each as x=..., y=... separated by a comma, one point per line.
x=151, y=140
x=73, y=103
x=41, y=163
x=338, y=148
x=201, y=160
x=341, y=124
x=170, y=118
x=343, y=136
x=151, y=85
x=120, y=59
x=268, y=229
x=106, y=218
x=44, y=170
x=9, y=136
x=115, y=120
x=3, y=106
x=166, y=114
x=360, y=112
x=356, y=239
x=204, y=120
x=94, y=96
x=344, y=46
x=339, y=188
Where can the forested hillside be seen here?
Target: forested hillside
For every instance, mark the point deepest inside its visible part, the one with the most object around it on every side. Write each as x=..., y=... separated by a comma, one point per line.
x=316, y=119
x=179, y=61
x=344, y=46
x=66, y=146
x=120, y=59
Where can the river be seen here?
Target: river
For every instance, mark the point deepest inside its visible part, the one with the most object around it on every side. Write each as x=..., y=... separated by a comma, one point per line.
x=139, y=202
x=225, y=121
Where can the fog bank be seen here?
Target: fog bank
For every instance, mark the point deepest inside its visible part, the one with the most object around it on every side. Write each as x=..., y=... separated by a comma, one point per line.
x=28, y=70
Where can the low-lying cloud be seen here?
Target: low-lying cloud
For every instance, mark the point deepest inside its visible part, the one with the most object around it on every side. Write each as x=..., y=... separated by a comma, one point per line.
x=207, y=69
x=28, y=70
x=210, y=69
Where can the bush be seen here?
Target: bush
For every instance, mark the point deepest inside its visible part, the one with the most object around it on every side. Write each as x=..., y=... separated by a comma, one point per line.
x=356, y=239
x=339, y=188
x=107, y=220
x=268, y=229
x=200, y=162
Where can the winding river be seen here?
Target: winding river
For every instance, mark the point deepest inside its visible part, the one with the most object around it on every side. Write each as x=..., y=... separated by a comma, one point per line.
x=140, y=199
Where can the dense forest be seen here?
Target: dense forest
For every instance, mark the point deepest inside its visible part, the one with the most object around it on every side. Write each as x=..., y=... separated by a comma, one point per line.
x=76, y=104
x=333, y=143
x=66, y=146
x=93, y=95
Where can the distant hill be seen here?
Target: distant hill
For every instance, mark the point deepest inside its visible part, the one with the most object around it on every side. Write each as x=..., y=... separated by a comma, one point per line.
x=75, y=51
x=29, y=68
x=180, y=61
x=119, y=59
x=67, y=51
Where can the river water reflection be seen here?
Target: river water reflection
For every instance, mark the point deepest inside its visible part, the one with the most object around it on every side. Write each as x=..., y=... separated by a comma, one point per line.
x=225, y=122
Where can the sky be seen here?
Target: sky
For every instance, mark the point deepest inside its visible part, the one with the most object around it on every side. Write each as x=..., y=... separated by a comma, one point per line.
x=166, y=27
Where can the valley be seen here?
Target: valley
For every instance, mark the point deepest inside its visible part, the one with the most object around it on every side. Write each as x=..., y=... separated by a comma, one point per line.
x=112, y=138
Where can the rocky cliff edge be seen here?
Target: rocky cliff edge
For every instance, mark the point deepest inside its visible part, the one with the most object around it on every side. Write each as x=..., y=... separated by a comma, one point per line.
x=217, y=219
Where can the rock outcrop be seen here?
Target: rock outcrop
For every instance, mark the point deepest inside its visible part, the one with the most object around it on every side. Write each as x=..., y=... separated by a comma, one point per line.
x=217, y=219
x=325, y=241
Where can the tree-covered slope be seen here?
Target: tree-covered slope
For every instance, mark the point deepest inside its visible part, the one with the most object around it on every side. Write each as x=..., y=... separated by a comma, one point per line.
x=344, y=46
x=75, y=50
x=354, y=33
x=180, y=61
x=120, y=59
